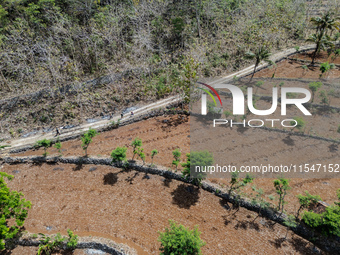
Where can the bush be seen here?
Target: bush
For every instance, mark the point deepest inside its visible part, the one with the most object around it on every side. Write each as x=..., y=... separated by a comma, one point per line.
x=197, y=158
x=119, y=154
x=49, y=245
x=300, y=123
x=72, y=240
x=178, y=240
x=153, y=154
x=13, y=211
x=136, y=145
x=177, y=157
x=314, y=86
x=87, y=139
x=44, y=143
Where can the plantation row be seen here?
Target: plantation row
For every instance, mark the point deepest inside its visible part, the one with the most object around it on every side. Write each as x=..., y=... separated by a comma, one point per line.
x=326, y=222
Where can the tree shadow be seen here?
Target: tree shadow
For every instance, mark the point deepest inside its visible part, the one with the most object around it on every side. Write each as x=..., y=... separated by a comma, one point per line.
x=110, y=179
x=78, y=167
x=333, y=147
x=131, y=178
x=242, y=129
x=278, y=242
x=224, y=203
x=301, y=246
x=167, y=182
x=185, y=196
x=244, y=224
x=288, y=140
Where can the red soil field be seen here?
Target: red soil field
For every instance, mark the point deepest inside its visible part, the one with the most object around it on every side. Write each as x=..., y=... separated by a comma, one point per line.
x=131, y=206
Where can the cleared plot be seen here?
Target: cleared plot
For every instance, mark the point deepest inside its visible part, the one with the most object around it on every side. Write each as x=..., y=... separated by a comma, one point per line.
x=132, y=207
x=162, y=133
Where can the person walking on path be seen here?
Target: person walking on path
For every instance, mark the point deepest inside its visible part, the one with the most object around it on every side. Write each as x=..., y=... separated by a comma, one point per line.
x=57, y=131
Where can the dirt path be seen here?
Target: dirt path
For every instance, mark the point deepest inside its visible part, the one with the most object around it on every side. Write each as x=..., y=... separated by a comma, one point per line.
x=18, y=143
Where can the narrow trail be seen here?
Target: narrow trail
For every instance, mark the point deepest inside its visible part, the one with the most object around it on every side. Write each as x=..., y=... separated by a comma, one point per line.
x=78, y=130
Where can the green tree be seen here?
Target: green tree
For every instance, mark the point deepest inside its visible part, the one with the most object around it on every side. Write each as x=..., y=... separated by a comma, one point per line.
x=44, y=143
x=72, y=240
x=136, y=145
x=300, y=123
x=236, y=182
x=322, y=42
x=321, y=38
x=314, y=86
x=57, y=145
x=87, y=139
x=306, y=201
x=290, y=222
x=197, y=158
x=281, y=187
x=13, y=211
x=324, y=98
x=261, y=54
x=178, y=240
x=153, y=154
x=119, y=154
x=177, y=157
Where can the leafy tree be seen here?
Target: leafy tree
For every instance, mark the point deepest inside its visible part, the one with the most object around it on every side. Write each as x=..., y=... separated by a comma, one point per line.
x=323, y=97
x=320, y=38
x=119, y=154
x=136, y=145
x=306, y=201
x=44, y=143
x=290, y=222
x=327, y=222
x=177, y=157
x=49, y=245
x=57, y=145
x=259, y=200
x=326, y=67
x=281, y=187
x=261, y=54
x=322, y=42
x=72, y=240
x=236, y=182
x=178, y=240
x=153, y=154
x=314, y=86
x=87, y=139
x=196, y=158
x=300, y=123
x=13, y=211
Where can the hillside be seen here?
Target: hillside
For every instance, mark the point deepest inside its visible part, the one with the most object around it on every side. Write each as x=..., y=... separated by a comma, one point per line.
x=63, y=62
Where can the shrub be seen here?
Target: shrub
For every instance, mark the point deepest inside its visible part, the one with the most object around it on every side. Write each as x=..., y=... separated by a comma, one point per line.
x=13, y=211
x=177, y=157
x=87, y=139
x=178, y=240
x=57, y=145
x=197, y=158
x=314, y=86
x=338, y=129
x=136, y=145
x=49, y=245
x=300, y=123
x=119, y=154
x=44, y=143
x=153, y=154
x=236, y=182
x=306, y=201
x=281, y=187
x=72, y=240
